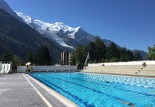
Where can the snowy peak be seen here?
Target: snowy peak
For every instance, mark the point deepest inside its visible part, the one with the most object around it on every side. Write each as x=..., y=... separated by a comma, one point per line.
x=25, y=18
x=63, y=34
x=62, y=26
x=50, y=27
x=55, y=27
x=49, y=30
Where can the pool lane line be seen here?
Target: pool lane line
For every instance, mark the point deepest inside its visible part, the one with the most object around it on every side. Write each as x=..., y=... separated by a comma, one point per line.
x=127, y=90
x=70, y=94
x=114, y=87
x=76, y=97
x=119, y=99
x=61, y=98
x=39, y=93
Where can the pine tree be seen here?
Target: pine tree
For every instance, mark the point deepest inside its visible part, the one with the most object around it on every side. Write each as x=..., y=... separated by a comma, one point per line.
x=16, y=62
x=137, y=56
x=30, y=57
x=97, y=50
x=92, y=51
x=151, y=53
x=7, y=56
x=80, y=55
x=43, y=56
x=123, y=54
x=130, y=55
x=112, y=52
x=100, y=49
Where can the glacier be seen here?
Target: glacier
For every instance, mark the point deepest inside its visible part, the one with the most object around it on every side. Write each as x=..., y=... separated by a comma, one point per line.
x=50, y=30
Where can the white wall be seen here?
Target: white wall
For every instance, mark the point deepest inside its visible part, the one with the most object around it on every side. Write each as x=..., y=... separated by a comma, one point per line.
x=46, y=68
x=122, y=63
x=21, y=68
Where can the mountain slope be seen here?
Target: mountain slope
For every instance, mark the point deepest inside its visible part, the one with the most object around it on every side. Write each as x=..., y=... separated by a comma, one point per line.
x=48, y=30
x=64, y=35
x=19, y=38
x=6, y=7
x=143, y=53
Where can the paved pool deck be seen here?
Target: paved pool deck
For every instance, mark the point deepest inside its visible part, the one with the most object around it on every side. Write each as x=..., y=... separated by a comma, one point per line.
x=19, y=90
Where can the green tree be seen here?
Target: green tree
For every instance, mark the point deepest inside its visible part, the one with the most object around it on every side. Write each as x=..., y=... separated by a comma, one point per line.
x=80, y=55
x=112, y=52
x=151, y=53
x=43, y=56
x=30, y=57
x=92, y=51
x=16, y=62
x=97, y=50
x=137, y=56
x=129, y=56
x=122, y=54
x=100, y=49
x=7, y=56
x=125, y=55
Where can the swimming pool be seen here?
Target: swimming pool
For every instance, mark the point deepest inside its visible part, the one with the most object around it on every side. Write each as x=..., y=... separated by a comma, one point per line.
x=99, y=90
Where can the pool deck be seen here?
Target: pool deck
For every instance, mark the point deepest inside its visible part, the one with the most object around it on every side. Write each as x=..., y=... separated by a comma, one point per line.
x=20, y=90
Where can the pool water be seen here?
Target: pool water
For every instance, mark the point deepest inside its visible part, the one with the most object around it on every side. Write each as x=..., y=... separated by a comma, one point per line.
x=99, y=90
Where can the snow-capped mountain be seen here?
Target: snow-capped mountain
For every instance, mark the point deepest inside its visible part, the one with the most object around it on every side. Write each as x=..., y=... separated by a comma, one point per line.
x=22, y=37
x=63, y=34
x=51, y=30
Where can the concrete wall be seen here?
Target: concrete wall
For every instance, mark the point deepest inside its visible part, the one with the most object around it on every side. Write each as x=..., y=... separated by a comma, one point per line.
x=122, y=63
x=46, y=68
x=21, y=68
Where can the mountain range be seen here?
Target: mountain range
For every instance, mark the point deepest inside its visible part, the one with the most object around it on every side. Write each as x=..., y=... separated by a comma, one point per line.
x=21, y=32
x=19, y=38
x=64, y=35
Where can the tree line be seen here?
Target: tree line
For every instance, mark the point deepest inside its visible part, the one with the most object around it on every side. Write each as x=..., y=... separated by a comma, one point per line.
x=98, y=52
x=41, y=57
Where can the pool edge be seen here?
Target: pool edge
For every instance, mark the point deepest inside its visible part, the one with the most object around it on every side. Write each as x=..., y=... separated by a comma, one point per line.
x=60, y=97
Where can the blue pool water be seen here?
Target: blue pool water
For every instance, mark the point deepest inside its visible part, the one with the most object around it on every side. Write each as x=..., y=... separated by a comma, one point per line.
x=98, y=90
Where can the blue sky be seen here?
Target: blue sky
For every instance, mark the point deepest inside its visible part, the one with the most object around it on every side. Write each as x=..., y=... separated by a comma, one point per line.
x=129, y=23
